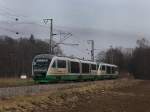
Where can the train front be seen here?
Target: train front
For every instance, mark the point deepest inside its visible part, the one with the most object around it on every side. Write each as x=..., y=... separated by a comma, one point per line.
x=40, y=66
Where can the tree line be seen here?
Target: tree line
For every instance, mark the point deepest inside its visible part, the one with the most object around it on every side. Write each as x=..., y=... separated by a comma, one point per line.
x=135, y=61
x=16, y=55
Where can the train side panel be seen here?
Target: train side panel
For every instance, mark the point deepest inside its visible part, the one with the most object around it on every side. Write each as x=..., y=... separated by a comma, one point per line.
x=67, y=69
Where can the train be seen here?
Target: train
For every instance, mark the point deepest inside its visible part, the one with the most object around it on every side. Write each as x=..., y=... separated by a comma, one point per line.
x=48, y=68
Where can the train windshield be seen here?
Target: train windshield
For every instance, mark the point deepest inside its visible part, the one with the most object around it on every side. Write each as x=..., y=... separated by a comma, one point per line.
x=41, y=63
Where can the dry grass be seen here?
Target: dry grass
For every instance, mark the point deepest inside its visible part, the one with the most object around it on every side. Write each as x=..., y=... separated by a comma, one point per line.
x=61, y=97
x=9, y=82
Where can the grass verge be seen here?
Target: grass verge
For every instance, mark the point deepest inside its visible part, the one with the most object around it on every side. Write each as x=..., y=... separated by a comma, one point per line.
x=10, y=82
x=62, y=99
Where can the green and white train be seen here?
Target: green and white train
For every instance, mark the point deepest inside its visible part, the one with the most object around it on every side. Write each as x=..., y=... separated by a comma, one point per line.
x=47, y=68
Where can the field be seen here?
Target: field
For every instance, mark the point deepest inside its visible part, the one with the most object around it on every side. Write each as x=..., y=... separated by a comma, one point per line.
x=122, y=95
x=5, y=82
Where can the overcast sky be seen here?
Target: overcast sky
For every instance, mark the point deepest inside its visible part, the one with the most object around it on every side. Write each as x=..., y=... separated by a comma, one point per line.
x=108, y=22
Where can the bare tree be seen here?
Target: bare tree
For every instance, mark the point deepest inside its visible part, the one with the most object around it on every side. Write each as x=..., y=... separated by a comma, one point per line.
x=17, y=54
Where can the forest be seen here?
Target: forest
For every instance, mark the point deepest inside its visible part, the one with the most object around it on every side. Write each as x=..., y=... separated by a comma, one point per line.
x=135, y=61
x=16, y=56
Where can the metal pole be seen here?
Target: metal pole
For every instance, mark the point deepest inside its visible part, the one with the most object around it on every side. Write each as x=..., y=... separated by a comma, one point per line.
x=51, y=34
x=92, y=49
x=112, y=56
x=51, y=37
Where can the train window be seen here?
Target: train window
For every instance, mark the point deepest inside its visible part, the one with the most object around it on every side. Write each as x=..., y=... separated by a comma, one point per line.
x=54, y=64
x=93, y=66
x=85, y=68
x=61, y=63
x=103, y=68
x=75, y=67
x=108, y=70
x=113, y=70
x=41, y=63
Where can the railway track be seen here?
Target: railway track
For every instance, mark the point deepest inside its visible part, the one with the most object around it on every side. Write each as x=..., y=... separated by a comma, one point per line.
x=37, y=88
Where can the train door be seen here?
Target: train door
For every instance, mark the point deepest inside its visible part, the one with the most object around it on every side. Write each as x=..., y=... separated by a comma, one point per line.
x=53, y=67
x=93, y=69
x=85, y=68
x=74, y=67
x=102, y=70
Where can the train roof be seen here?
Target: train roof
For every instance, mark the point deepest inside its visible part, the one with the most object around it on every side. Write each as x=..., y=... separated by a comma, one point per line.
x=87, y=61
x=74, y=59
x=44, y=56
x=106, y=64
x=49, y=56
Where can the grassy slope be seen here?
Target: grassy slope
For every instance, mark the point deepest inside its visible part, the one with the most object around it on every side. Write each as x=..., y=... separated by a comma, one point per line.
x=63, y=99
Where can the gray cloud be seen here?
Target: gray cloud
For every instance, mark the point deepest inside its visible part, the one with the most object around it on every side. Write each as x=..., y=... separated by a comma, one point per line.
x=113, y=22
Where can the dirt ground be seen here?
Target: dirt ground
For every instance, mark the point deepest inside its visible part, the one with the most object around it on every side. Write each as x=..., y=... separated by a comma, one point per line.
x=135, y=98
x=129, y=97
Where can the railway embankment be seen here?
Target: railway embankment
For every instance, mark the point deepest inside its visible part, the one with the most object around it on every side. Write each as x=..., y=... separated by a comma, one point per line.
x=68, y=97
x=15, y=82
x=38, y=88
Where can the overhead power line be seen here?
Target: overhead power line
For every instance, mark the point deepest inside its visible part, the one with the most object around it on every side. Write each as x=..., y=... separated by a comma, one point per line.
x=6, y=29
x=70, y=44
x=11, y=12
